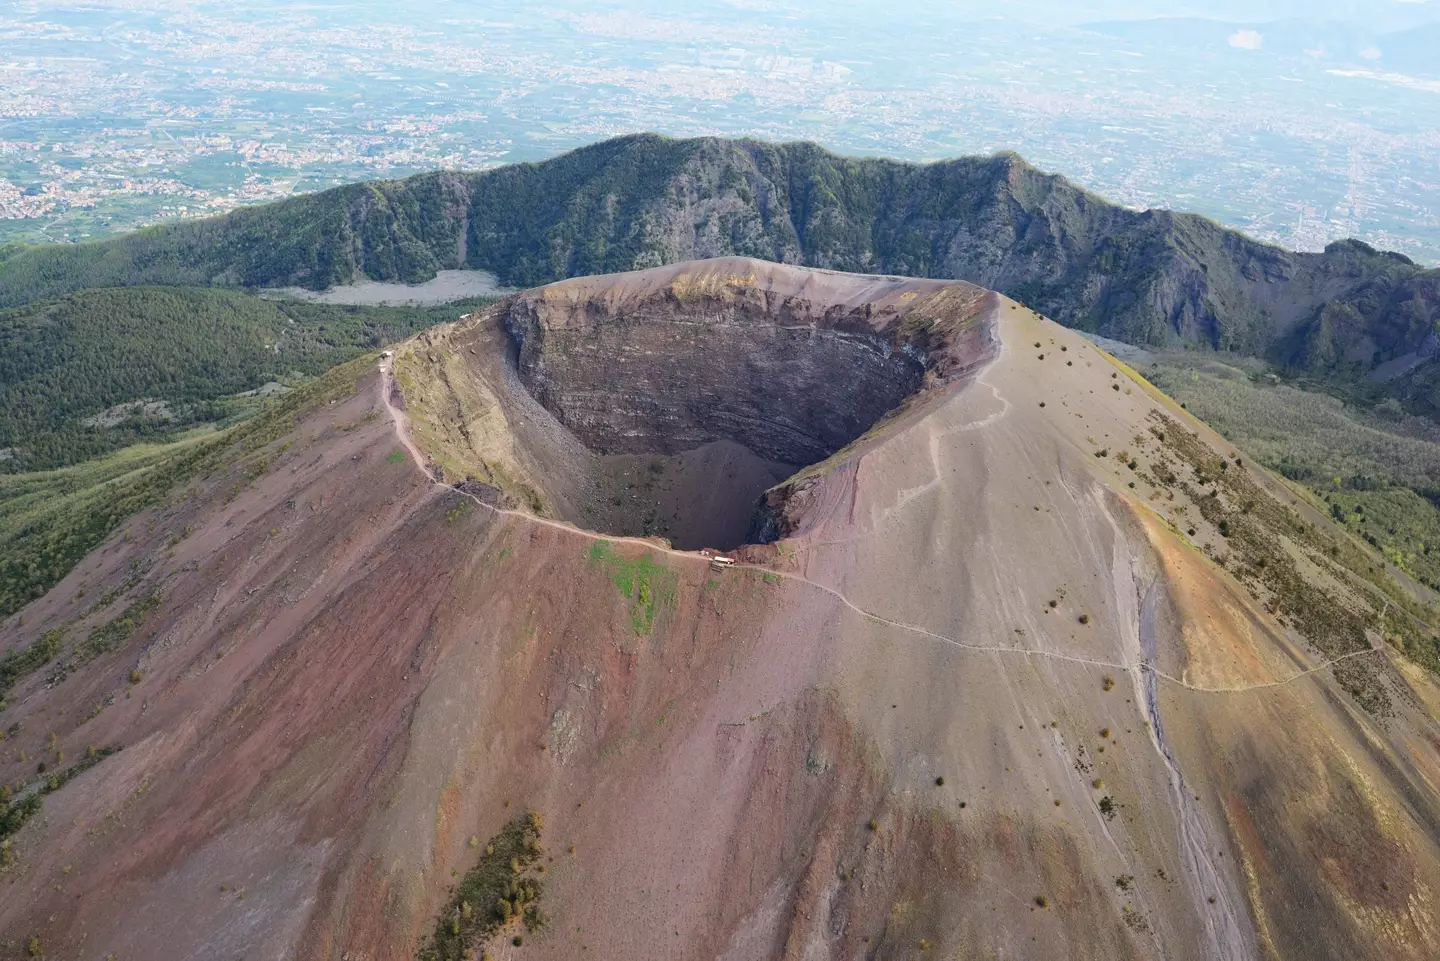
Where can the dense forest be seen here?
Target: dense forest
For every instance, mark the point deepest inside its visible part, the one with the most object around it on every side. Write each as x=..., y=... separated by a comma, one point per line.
x=93, y=371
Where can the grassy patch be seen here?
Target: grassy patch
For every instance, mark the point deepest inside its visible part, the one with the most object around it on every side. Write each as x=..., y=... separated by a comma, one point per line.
x=646, y=584
x=497, y=894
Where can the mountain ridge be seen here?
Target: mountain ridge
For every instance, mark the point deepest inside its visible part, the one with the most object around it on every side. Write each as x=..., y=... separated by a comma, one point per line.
x=1152, y=277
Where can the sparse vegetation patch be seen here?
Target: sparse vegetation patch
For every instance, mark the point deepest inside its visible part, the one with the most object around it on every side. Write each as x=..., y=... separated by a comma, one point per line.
x=1253, y=525
x=1377, y=468
x=17, y=664
x=112, y=634
x=497, y=895
x=648, y=586
x=20, y=807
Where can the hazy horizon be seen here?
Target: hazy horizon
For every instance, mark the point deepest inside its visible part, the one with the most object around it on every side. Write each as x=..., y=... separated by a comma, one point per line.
x=1276, y=117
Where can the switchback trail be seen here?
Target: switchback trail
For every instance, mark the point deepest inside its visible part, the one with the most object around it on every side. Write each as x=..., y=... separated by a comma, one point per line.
x=402, y=433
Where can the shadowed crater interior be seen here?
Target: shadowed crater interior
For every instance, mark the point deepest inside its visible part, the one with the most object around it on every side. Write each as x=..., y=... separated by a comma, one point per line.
x=699, y=394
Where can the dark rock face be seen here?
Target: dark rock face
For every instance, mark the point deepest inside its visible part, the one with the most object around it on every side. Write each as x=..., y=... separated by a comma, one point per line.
x=662, y=381
x=780, y=511
x=791, y=364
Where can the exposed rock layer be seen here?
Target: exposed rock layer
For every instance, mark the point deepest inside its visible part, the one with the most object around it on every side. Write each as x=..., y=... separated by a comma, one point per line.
x=791, y=365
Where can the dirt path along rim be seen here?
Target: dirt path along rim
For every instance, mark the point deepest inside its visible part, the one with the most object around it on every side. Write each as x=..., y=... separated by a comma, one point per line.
x=400, y=423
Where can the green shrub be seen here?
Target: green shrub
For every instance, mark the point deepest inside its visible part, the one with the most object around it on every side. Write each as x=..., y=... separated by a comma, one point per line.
x=500, y=879
x=17, y=664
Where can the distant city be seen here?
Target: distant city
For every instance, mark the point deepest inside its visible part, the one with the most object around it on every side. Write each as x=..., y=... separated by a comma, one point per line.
x=116, y=114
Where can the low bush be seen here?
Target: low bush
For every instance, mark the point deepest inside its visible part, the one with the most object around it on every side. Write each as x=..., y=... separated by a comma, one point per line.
x=501, y=881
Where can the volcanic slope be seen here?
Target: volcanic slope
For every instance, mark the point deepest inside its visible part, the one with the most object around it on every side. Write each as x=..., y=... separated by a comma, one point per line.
x=1028, y=664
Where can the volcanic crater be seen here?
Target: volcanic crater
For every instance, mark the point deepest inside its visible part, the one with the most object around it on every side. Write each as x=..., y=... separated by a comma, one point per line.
x=990, y=700
x=668, y=402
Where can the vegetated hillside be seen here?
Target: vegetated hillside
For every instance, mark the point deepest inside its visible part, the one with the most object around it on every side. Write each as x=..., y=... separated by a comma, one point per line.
x=51, y=519
x=1376, y=470
x=1040, y=668
x=1151, y=277
x=92, y=371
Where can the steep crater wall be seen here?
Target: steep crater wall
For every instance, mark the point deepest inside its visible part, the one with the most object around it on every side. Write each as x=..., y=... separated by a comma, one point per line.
x=648, y=383
x=698, y=388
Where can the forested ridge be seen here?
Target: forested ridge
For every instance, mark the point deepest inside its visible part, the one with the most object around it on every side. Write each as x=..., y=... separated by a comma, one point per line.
x=1147, y=277
x=74, y=369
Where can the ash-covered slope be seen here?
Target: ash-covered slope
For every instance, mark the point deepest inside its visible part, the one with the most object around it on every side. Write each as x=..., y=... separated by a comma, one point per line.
x=1039, y=668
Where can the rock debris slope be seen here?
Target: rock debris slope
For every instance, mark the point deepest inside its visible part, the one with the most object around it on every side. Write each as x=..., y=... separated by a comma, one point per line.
x=1021, y=661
